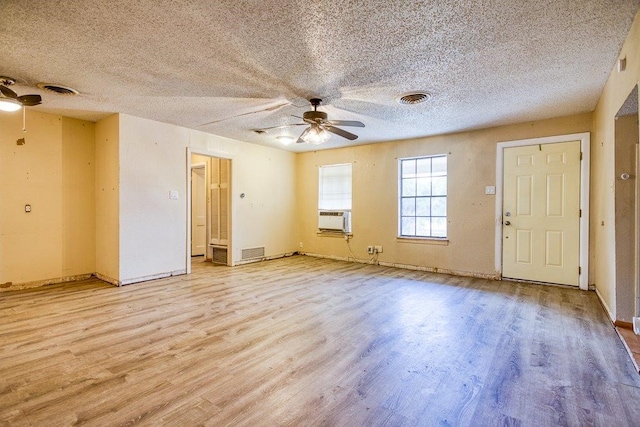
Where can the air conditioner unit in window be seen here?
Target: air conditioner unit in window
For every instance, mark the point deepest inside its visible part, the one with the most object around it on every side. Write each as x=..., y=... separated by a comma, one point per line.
x=334, y=221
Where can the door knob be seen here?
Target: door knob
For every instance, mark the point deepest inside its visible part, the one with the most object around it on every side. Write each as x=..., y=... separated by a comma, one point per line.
x=507, y=223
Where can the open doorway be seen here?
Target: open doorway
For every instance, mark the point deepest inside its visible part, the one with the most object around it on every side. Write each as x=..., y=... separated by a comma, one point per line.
x=627, y=210
x=198, y=210
x=209, y=210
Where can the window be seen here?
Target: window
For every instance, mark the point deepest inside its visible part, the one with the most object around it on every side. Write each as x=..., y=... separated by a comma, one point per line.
x=423, y=197
x=335, y=187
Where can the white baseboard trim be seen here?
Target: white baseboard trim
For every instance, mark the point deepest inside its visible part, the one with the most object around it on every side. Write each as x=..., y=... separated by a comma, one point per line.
x=409, y=266
x=151, y=277
x=266, y=258
x=604, y=304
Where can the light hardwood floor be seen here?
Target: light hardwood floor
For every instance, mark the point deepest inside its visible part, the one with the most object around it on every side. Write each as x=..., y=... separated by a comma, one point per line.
x=307, y=341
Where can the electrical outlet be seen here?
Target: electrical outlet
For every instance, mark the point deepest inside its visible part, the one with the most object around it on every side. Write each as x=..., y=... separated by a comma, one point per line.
x=378, y=249
x=370, y=250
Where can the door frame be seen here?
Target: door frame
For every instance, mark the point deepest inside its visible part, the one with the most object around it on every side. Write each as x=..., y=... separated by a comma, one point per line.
x=197, y=165
x=585, y=143
x=221, y=155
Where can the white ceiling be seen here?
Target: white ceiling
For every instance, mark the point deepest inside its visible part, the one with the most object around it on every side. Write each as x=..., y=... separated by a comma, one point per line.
x=241, y=65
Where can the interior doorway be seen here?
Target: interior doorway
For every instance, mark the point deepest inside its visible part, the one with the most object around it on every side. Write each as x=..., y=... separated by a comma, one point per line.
x=209, y=209
x=627, y=210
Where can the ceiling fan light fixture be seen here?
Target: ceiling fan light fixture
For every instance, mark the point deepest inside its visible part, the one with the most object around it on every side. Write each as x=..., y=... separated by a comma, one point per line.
x=316, y=136
x=285, y=139
x=9, y=105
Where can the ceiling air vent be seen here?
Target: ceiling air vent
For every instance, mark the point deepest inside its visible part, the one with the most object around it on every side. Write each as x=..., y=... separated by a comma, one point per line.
x=414, y=98
x=59, y=89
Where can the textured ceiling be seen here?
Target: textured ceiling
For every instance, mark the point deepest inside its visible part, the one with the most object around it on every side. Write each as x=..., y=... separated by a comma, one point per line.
x=230, y=66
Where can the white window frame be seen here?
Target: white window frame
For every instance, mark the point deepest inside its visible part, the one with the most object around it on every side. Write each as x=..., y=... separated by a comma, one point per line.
x=431, y=197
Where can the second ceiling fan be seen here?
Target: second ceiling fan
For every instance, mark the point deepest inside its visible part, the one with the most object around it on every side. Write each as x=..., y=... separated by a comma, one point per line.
x=319, y=126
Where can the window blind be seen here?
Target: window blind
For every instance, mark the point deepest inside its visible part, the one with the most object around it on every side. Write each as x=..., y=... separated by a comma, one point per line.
x=335, y=187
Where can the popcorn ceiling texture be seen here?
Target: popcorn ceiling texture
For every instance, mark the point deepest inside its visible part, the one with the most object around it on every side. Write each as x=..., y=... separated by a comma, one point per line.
x=227, y=67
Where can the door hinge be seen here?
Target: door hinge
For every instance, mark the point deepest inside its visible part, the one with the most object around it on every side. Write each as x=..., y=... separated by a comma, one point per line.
x=581, y=155
x=580, y=213
x=579, y=271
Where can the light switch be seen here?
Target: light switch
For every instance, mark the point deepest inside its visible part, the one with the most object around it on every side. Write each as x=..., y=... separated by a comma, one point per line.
x=173, y=194
x=490, y=189
x=27, y=208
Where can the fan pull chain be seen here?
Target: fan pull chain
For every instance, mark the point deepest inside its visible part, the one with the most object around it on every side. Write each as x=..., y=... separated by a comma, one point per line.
x=24, y=120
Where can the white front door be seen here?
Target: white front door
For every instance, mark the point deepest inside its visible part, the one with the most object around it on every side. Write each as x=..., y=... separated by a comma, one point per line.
x=541, y=213
x=198, y=211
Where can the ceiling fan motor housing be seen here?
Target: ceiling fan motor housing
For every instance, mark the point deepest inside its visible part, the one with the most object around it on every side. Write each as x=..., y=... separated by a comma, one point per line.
x=315, y=116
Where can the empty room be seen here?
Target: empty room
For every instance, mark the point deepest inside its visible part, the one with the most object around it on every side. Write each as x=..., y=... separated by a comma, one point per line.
x=356, y=213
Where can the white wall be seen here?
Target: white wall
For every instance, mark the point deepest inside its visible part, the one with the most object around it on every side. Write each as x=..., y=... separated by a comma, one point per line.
x=153, y=228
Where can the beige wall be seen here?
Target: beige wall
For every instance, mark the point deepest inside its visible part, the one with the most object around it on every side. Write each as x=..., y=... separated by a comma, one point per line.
x=603, y=174
x=471, y=213
x=54, y=173
x=107, y=200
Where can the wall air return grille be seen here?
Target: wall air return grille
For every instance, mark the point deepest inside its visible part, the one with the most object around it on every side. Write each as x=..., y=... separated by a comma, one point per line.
x=253, y=253
x=219, y=255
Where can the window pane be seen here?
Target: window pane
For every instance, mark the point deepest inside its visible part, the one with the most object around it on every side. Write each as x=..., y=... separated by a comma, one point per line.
x=439, y=186
x=439, y=227
x=408, y=226
x=439, y=166
x=423, y=167
x=423, y=206
x=423, y=187
x=423, y=227
x=408, y=168
x=408, y=187
x=408, y=206
x=438, y=206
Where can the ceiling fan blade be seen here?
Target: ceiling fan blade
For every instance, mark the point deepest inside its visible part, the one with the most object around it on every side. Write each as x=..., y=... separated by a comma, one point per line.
x=346, y=123
x=273, y=108
x=280, y=127
x=8, y=92
x=340, y=132
x=30, y=100
x=303, y=135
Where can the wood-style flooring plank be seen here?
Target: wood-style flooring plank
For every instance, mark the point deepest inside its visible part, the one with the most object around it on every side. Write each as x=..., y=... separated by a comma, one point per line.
x=308, y=341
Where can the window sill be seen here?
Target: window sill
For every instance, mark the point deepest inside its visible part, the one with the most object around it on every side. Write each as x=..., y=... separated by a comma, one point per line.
x=423, y=240
x=334, y=234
